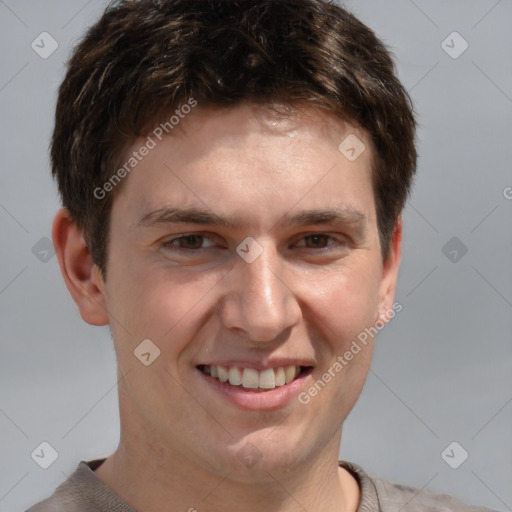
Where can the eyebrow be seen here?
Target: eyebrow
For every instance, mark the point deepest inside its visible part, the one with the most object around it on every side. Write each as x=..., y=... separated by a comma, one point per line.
x=347, y=215
x=184, y=215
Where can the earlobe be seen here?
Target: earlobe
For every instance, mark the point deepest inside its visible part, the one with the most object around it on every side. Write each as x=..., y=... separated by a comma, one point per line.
x=82, y=277
x=390, y=272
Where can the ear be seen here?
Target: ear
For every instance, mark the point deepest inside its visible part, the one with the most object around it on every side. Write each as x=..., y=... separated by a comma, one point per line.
x=82, y=277
x=390, y=273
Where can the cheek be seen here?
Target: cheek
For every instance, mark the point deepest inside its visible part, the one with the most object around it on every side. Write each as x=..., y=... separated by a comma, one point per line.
x=344, y=302
x=344, y=306
x=159, y=303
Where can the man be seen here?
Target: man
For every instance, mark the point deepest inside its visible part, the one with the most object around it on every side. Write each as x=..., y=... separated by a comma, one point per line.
x=233, y=175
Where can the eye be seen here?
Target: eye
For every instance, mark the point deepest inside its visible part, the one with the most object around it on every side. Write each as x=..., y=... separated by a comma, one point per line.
x=317, y=241
x=190, y=242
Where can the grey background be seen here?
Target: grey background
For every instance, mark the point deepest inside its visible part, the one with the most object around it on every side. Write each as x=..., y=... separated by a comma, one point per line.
x=442, y=368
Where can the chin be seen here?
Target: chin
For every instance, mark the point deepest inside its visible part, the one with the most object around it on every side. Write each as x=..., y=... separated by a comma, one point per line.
x=261, y=454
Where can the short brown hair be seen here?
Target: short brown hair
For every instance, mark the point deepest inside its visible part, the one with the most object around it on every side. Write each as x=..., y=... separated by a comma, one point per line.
x=144, y=58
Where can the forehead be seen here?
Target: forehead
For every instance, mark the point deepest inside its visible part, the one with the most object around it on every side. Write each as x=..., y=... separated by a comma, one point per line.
x=271, y=125
x=250, y=159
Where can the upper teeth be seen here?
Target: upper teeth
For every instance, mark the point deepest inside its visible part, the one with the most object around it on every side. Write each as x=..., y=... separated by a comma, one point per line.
x=253, y=379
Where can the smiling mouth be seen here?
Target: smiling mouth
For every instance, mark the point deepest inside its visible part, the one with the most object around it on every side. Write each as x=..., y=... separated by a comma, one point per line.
x=250, y=378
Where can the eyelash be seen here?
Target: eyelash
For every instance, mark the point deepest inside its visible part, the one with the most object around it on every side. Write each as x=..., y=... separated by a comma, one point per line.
x=171, y=243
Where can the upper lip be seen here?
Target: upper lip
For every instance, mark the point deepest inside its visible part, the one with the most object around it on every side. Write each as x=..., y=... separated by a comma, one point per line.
x=258, y=365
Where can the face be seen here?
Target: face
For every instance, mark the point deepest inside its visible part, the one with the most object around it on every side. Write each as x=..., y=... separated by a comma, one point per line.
x=245, y=247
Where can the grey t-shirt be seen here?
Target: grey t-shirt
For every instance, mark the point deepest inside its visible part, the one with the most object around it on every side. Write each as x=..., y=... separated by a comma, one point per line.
x=83, y=491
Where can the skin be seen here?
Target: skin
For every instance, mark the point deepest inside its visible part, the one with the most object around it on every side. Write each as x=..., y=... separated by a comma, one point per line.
x=303, y=298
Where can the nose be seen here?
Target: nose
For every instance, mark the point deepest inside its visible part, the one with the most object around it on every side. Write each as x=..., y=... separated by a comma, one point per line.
x=259, y=301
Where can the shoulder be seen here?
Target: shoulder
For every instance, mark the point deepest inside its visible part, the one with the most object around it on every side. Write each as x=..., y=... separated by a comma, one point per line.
x=62, y=499
x=82, y=492
x=393, y=496
x=380, y=495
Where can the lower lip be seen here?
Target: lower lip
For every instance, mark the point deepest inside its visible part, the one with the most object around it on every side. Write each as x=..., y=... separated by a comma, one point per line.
x=257, y=400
